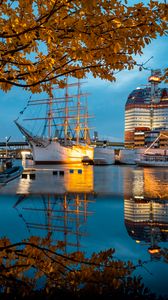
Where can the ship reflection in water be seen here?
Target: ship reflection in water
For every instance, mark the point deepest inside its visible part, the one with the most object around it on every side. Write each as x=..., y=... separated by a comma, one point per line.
x=56, y=180
x=60, y=218
x=91, y=209
x=146, y=211
x=54, y=203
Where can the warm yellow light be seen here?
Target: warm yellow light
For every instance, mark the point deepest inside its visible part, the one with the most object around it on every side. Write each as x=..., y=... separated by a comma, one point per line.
x=154, y=250
x=138, y=242
x=79, y=178
x=154, y=78
x=25, y=152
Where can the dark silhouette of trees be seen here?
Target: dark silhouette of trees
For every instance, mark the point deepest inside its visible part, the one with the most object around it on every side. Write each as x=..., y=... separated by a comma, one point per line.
x=37, y=269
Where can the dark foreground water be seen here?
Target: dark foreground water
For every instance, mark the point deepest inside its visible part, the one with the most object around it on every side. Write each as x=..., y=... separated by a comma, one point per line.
x=93, y=208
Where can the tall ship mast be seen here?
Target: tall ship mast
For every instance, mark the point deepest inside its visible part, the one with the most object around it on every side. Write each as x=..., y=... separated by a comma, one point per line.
x=60, y=218
x=63, y=134
x=58, y=210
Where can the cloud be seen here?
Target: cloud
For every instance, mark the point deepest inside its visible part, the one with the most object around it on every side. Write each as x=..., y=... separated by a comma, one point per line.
x=153, y=57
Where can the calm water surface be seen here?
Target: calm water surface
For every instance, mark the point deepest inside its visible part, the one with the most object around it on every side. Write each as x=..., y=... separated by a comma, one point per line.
x=93, y=209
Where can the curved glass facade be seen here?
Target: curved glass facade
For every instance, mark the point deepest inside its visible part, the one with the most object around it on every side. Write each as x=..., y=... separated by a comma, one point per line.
x=146, y=115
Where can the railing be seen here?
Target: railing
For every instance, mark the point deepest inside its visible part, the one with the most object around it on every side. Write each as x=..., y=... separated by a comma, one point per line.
x=14, y=144
x=155, y=157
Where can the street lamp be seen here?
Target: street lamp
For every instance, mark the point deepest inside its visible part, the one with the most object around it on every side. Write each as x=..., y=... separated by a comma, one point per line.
x=7, y=140
x=6, y=146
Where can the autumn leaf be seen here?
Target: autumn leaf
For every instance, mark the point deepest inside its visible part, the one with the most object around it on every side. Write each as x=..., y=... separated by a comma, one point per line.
x=40, y=41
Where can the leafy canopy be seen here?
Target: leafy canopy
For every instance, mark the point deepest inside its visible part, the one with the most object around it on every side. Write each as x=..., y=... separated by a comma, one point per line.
x=41, y=41
x=25, y=265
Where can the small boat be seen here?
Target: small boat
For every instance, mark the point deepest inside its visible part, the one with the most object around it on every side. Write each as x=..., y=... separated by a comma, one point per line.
x=153, y=158
x=10, y=173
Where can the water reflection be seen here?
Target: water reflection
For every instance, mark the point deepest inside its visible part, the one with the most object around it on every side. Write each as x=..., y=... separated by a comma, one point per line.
x=64, y=194
x=146, y=182
x=92, y=208
x=60, y=218
x=54, y=203
x=56, y=180
x=146, y=210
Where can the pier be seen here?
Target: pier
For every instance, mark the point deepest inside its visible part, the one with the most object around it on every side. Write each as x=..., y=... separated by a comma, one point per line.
x=14, y=148
x=14, y=144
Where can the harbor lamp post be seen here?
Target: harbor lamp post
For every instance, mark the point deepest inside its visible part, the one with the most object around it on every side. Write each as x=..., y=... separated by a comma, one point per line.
x=7, y=140
x=6, y=146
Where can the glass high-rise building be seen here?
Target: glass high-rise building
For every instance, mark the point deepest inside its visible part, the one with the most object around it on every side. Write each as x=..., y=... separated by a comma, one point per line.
x=146, y=115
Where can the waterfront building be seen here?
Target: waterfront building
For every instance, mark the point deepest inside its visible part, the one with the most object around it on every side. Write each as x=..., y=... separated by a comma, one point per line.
x=146, y=115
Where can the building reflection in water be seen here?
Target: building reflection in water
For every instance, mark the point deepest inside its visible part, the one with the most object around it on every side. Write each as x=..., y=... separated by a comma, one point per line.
x=146, y=210
x=55, y=203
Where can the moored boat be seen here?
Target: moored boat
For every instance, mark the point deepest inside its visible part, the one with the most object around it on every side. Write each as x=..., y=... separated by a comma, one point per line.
x=154, y=157
x=104, y=156
x=63, y=133
x=10, y=174
x=153, y=160
x=129, y=156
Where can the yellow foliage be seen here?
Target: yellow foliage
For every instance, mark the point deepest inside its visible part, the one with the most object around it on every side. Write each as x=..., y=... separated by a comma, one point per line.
x=25, y=264
x=42, y=40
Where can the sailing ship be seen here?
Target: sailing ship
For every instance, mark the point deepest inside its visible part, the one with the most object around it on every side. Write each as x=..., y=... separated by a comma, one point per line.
x=64, y=136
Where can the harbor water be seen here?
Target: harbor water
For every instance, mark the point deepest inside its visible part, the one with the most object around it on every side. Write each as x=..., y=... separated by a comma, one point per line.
x=94, y=208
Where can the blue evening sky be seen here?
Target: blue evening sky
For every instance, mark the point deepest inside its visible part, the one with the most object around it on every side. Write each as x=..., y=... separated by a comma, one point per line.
x=106, y=100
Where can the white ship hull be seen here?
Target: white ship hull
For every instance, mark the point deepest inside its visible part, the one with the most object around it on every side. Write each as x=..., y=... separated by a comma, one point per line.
x=154, y=163
x=128, y=156
x=55, y=153
x=104, y=156
x=154, y=159
x=131, y=156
